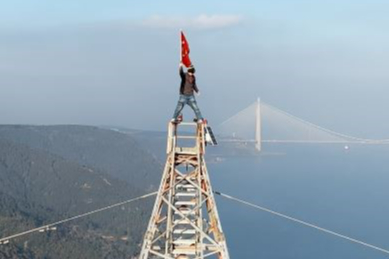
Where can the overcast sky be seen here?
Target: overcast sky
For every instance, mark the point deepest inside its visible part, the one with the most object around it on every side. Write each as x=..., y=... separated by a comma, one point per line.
x=116, y=62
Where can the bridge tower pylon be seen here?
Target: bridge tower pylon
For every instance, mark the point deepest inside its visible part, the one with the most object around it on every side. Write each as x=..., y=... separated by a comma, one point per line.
x=185, y=223
x=258, y=129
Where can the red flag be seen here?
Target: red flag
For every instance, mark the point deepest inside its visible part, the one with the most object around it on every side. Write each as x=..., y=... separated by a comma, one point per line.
x=185, y=51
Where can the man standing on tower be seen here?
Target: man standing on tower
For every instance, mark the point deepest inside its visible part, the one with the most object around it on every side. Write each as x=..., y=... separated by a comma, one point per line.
x=188, y=84
x=187, y=89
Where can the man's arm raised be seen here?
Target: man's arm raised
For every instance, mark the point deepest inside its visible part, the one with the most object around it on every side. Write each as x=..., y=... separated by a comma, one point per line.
x=181, y=69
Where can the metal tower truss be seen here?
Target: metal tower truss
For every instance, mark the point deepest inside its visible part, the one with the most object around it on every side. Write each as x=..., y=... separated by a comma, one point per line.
x=185, y=222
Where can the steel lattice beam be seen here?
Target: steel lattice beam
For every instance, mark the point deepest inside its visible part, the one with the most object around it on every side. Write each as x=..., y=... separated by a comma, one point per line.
x=185, y=223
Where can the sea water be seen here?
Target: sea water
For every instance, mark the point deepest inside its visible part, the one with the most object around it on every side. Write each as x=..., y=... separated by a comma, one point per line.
x=343, y=189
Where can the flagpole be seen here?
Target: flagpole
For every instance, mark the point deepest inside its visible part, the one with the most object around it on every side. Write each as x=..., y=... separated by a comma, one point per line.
x=180, y=46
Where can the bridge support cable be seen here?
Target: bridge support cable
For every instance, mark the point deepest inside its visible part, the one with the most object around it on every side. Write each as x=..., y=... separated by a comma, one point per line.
x=303, y=222
x=333, y=135
x=5, y=240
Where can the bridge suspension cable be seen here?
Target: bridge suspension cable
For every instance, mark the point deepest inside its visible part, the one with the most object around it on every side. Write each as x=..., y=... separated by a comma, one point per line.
x=302, y=222
x=48, y=226
x=338, y=134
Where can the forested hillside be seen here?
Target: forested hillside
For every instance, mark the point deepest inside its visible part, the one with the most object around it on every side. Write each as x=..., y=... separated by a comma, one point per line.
x=50, y=173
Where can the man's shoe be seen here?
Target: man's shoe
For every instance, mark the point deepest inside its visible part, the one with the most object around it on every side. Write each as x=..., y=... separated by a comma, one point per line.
x=175, y=121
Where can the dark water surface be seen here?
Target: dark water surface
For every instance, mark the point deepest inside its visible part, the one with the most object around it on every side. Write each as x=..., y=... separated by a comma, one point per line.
x=346, y=191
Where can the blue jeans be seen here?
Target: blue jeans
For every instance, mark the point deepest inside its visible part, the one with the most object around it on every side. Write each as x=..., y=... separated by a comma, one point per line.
x=191, y=101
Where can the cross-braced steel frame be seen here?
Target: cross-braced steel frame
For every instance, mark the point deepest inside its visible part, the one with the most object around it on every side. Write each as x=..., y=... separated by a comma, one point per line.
x=185, y=223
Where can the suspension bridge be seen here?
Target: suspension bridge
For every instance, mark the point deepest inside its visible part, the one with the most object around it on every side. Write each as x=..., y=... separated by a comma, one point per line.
x=262, y=123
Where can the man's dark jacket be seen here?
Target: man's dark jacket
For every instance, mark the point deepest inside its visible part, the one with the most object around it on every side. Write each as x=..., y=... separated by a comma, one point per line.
x=188, y=84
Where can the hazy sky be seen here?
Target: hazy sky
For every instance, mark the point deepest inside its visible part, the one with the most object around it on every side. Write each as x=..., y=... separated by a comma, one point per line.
x=115, y=62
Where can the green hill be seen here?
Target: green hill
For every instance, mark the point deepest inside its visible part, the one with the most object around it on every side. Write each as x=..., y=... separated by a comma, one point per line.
x=48, y=173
